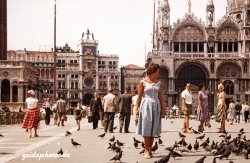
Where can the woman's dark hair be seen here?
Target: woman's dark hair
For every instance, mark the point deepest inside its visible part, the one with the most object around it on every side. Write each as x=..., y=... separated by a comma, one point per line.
x=201, y=85
x=152, y=68
x=231, y=100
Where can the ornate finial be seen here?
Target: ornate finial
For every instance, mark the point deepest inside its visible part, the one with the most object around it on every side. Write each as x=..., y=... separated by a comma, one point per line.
x=189, y=6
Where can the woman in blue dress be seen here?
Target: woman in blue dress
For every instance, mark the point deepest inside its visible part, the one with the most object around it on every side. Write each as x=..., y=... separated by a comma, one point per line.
x=151, y=108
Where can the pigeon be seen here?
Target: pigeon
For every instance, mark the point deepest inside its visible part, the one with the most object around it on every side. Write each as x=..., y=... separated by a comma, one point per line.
x=142, y=151
x=195, y=132
x=196, y=145
x=175, y=154
x=201, y=137
x=69, y=133
x=114, y=127
x=113, y=146
x=226, y=153
x=1, y=135
x=155, y=147
x=119, y=143
x=241, y=130
x=142, y=145
x=118, y=150
x=102, y=135
x=181, y=135
x=116, y=157
x=160, y=141
x=164, y=159
x=189, y=147
x=171, y=121
x=135, y=144
x=112, y=139
x=201, y=160
x=136, y=140
x=75, y=144
x=60, y=152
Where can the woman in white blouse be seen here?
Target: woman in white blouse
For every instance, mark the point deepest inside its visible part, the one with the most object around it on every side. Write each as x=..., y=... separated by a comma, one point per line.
x=31, y=118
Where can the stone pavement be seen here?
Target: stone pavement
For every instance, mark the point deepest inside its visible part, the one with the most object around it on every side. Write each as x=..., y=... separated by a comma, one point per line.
x=15, y=143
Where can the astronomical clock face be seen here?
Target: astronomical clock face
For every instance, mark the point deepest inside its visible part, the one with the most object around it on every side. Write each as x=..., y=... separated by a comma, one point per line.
x=88, y=82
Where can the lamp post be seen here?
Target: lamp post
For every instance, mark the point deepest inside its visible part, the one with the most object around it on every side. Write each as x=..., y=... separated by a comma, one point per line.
x=54, y=86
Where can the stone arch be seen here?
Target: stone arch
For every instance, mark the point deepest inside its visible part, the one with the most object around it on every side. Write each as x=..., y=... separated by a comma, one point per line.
x=5, y=90
x=229, y=70
x=191, y=72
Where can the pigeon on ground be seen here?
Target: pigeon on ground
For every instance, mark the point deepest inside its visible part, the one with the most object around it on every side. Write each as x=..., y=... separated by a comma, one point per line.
x=201, y=160
x=142, y=151
x=196, y=145
x=155, y=147
x=114, y=127
x=195, y=132
x=116, y=157
x=189, y=147
x=160, y=141
x=241, y=130
x=75, y=144
x=135, y=144
x=201, y=137
x=183, y=150
x=142, y=145
x=181, y=135
x=175, y=154
x=102, y=135
x=226, y=153
x=112, y=139
x=60, y=152
x=1, y=135
x=136, y=140
x=164, y=159
x=119, y=143
x=69, y=133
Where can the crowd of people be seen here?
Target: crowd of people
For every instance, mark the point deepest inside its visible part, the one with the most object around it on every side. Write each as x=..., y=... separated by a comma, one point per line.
x=146, y=104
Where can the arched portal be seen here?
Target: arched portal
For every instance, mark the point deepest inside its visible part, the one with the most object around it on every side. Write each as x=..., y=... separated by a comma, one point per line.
x=190, y=74
x=5, y=91
x=86, y=98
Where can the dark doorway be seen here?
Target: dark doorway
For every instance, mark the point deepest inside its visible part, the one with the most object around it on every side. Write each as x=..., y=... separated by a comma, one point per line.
x=14, y=93
x=190, y=74
x=227, y=101
x=5, y=91
x=86, y=98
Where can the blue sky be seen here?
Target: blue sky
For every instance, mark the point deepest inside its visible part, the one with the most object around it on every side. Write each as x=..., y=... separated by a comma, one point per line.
x=121, y=27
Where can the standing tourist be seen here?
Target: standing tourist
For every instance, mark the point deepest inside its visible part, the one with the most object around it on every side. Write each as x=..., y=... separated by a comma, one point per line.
x=134, y=99
x=78, y=115
x=231, y=111
x=125, y=102
x=246, y=111
x=187, y=100
x=47, y=107
x=150, y=109
x=202, y=109
x=61, y=108
x=238, y=108
x=31, y=118
x=55, y=113
x=110, y=104
x=221, y=108
x=95, y=108
x=102, y=112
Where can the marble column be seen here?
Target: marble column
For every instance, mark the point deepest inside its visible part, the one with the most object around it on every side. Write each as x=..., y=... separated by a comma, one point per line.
x=11, y=92
x=20, y=93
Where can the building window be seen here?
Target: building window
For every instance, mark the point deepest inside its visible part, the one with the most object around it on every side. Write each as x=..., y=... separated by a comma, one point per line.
x=235, y=46
x=195, y=47
x=59, y=61
x=212, y=67
x=76, y=85
x=229, y=87
x=100, y=77
x=89, y=65
x=72, y=85
x=59, y=75
x=63, y=61
x=63, y=85
x=176, y=47
x=59, y=85
x=75, y=61
x=116, y=77
x=76, y=95
x=63, y=75
x=110, y=62
x=112, y=77
x=230, y=47
x=219, y=47
x=104, y=77
x=224, y=47
x=189, y=47
x=201, y=47
x=114, y=62
x=71, y=61
x=245, y=67
x=103, y=62
x=76, y=76
x=183, y=47
x=72, y=75
x=99, y=62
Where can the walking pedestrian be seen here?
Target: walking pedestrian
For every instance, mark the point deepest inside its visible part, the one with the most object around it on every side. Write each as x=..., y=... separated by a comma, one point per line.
x=202, y=109
x=110, y=105
x=187, y=100
x=231, y=111
x=238, y=108
x=31, y=118
x=95, y=108
x=243, y=111
x=55, y=113
x=134, y=99
x=78, y=115
x=61, y=108
x=125, y=103
x=221, y=108
x=151, y=108
x=47, y=108
x=246, y=111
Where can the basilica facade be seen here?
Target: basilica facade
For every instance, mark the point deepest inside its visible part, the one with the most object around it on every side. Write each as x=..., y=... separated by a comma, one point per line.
x=192, y=50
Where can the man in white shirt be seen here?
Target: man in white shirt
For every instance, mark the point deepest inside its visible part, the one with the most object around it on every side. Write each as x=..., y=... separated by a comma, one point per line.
x=187, y=100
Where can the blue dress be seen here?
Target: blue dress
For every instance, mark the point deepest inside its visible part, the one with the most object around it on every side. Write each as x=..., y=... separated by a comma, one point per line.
x=149, y=121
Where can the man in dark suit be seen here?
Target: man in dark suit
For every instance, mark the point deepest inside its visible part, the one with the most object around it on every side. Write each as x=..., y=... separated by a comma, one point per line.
x=95, y=108
x=125, y=101
x=61, y=109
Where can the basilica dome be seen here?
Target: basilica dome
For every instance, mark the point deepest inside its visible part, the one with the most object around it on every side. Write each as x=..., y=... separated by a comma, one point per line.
x=234, y=6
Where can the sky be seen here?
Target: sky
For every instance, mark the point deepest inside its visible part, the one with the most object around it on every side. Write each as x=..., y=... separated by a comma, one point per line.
x=122, y=27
